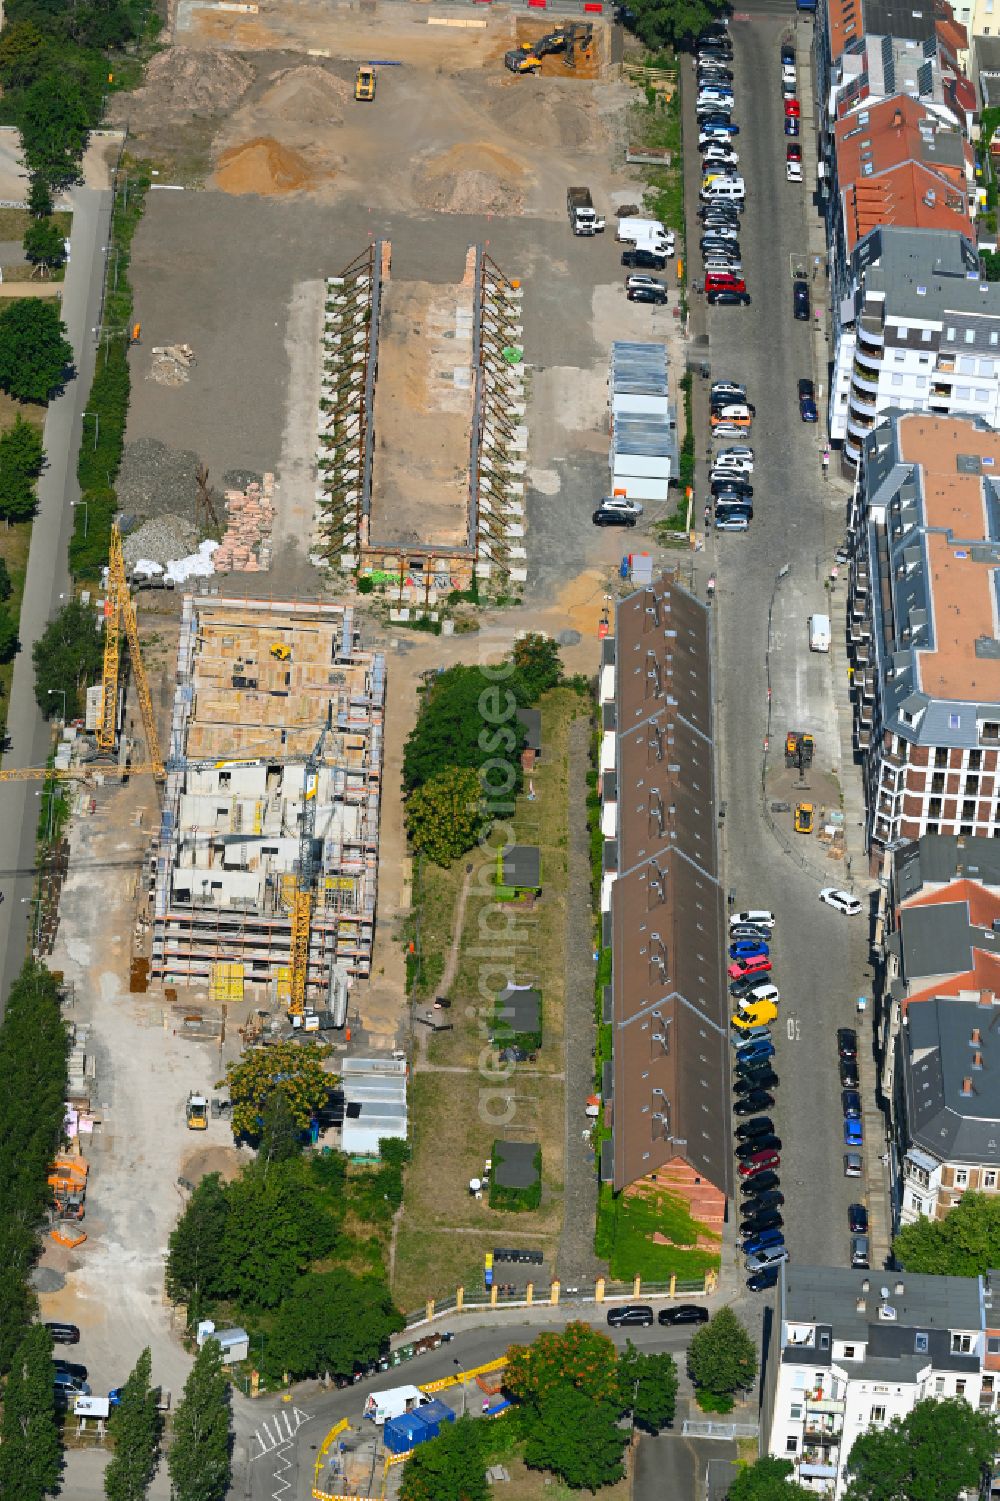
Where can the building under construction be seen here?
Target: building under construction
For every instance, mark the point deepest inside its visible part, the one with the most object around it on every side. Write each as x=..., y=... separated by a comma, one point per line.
x=272, y=786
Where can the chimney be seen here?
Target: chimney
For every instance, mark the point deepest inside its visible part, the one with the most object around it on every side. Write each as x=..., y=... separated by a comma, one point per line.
x=977, y=1060
x=966, y=1086
x=976, y=1039
x=898, y=1289
x=897, y=119
x=987, y=998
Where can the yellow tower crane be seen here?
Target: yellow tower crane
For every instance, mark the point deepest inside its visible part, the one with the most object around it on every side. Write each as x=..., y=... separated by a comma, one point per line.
x=304, y=878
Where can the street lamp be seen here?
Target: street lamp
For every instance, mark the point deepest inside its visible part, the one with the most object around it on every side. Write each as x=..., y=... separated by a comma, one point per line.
x=465, y=1377
x=63, y=692
x=97, y=424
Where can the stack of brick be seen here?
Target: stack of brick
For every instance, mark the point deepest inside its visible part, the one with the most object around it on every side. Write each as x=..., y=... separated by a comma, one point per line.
x=246, y=542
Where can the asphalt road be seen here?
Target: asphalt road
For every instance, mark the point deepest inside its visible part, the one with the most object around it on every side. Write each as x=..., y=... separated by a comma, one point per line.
x=818, y=955
x=47, y=580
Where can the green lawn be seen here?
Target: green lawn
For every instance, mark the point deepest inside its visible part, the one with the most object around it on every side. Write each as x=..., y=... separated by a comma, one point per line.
x=625, y=1230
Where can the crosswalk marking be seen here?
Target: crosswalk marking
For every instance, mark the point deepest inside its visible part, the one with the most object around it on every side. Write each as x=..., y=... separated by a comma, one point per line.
x=285, y=1423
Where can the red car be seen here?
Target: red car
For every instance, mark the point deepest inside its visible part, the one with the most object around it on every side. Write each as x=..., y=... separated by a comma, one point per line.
x=760, y=1162
x=718, y=281
x=759, y=964
x=793, y=152
x=792, y=109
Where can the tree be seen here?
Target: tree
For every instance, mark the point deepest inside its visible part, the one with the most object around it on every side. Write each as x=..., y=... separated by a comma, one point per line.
x=9, y=643
x=577, y=1356
x=272, y=1232
x=466, y=719
x=332, y=1322
x=67, y=656
x=539, y=668
x=661, y=23
x=6, y=587
x=450, y=1467
x=576, y=1438
x=194, y=1272
x=23, y=50
x=648, y=1387
x=198, y=1461
x=135, y=1427
x=768, y=1479
x=289, y=1068
x=21, y=460
x=937, y=1451
x=36, y=358
x=30, y=1451
x=55, y=122
x=39, y=197
x=722, y=1358
x=280, y=1138
x=964, y=1244
x=44, y=244
x=446, y=816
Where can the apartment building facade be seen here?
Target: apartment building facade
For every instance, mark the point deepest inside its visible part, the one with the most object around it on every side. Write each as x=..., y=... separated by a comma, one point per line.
x=856, y=1349
x=666, y=1087
x=922, y=629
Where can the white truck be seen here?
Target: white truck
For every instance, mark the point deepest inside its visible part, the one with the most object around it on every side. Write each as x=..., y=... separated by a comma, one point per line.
x=646, y=234
x=381, y=1406
x=583, y=218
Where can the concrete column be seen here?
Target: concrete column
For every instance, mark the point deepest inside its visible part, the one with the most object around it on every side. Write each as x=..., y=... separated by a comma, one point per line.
x=459, y=1299
x=554, y=1292
x=599, y=1290
x=529, y=1294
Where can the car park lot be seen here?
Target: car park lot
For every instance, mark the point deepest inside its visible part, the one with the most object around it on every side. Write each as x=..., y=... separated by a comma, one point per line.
x=817, y=954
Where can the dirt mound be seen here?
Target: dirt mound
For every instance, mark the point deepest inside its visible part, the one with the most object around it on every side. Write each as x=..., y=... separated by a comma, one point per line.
x=180, y=83
x=308, y=95
x=263, y=166
x=562, y=117
x=471, y=179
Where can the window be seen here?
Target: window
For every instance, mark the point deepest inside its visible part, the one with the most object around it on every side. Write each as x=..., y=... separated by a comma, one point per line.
x=878, y=1414
x=925, y=335
x=941, y=755
x=965, y=829
x=954, y=721
x=921, y=1343
x=897, y=380
x=937, y=782
x=966, y=365
x=986, y=368
x=932, y=828
x=961, y=1344
x=975, y=760
x=990, y=1179
x=970, y=336
x=950, y=334
x=795, y=1412
x=964, y=393
x=938, y=1386
x=969, y=807
x=993, y=1345
x=824, y=1341
x=848, y=1352
x=959, y=1388
x=935, y=809
x=791, y=1444
x=961, y=1179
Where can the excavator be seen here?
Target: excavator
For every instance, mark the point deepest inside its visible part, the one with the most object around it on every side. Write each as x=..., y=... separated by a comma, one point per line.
x=576, y=37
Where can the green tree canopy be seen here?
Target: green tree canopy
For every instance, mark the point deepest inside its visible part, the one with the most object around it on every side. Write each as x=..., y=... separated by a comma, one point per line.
x=45, y=244
x=36, y=358
x=30, y=1448
x=9, y=642
x=135, y=1427
x=198, y=1460
x=672, y=23
x=577, y=1356
x=272, y=1232
x=289, y=1068
x=21, y=460
x=722, y=1358
x=964, y=1244
x=576, y=1437
x=446, y=815
x=195, y=1273
x=467, y=718
x=450, y=1467
x=332, y=1322
x=67, y=657
x=538, y=665
x=648, y=1387
x=769, y=1479
x=936, y=1452
x=54, y=118
x=23, y=52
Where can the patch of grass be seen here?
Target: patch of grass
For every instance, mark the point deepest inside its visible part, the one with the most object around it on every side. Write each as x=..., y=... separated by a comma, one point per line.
x=14, y=222
x=432, y=1263
x=625, y=1229
x=432, y=923
x=15, y=541
x=538, y=1485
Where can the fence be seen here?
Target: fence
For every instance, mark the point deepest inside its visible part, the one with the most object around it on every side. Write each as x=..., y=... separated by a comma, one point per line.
x=664, y=80
x=703, y=1428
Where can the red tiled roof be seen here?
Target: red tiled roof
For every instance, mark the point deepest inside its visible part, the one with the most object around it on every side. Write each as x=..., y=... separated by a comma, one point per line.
x=952, y=35
x=901, y=197
x=891, y=136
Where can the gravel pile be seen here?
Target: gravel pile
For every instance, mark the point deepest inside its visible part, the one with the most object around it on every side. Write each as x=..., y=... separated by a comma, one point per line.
x=162, y=539
x=155, y=479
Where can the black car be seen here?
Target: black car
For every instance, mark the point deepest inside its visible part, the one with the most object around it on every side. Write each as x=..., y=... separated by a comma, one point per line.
x=759, y=1282
x=764, y=1219
x=743, y=986
x=800, y=299
x=756, y=1188
x=727, y=211
x=742, y=488
x=761, y=1125
x=64, y=1334
x=715, y=51
x=768, y=1198
x=656, y=295
x=684, y=1313
x=716, y=403
x=857, y=1218
x=603, y=517
x=847, y=1042
x=848, y=1073
x=850, y=1103
x=71, y=1368
x=787, y=53
x=750, y=1068
x=730, y=505
x=807, y=401
x=630, y=1313
x=747, y=1149
x=644, y=260
x=753, y=1104
x=757, y=1080
x=728, y=299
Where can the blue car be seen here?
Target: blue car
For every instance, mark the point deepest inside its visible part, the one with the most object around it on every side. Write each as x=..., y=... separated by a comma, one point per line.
x=791, y=126
x=853, y=1134
x=755, y=1051
x=115, y=1395
x=807, y=401
x=851, y=1102
x=767, y=1240
x=760, y=1281
x=748, y=948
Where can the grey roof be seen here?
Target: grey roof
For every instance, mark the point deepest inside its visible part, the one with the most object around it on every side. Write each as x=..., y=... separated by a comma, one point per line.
x=985, y=54
x=898, y=18
x=531, y=719
x=520, y=1010
x=989, y=90
x=937, y=1057
x=522, y=867
x=830, y=1295
x=925, y=273
x=939, y=939
x=514, y=1164
x=939, y=858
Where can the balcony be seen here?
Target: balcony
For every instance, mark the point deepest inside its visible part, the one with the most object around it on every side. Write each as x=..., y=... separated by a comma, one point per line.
x=945, y=365
x=863, y=737
x=859, y=425
x=861, y=397
x=941, y=392
x=824, y=1404
x=810, y=1469
x=864, y=376
x=870, y=329
x=869, y=361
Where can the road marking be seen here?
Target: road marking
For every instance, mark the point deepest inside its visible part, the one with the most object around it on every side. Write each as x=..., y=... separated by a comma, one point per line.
x=282, y=1486
x=794, y=1030
x=270, y=1442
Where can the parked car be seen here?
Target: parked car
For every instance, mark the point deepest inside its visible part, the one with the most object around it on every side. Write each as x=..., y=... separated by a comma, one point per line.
x=760, y=1048
x=793, y=171
x=765, y=1241
x=63, y=1334
x=853, y=1166
x=67, y=1387
x=766, y=1183
x=849, y=1073
x=748, y=1149
x=758, y=1163
x=748, y=948
x=764, y=1199
x=649, y=260
x=741, y=488
x=787, y=53
x=740, y=988
x=792, y=109
x=850, y=1102
x=684, y=1313
x=757, y=1015
x=612, y=516
x=847, y=1042
x=627, y=1314
x=793, y=152
x=761, y=1125
x=760, y=964
x=800, y=299
x=764, y=1078
x=72, y=1368
x=857, y=1219
x=750, y=1034
x=766, y=1219
x=758, y=916
x=791, y=125
x=841, y=901
x=860, y=1252
x=807, y=401
x=726, y=390
x=726, y=298
x=761, y=1260
x=655, y=295
x=760, y=1282
x=753, y=1104
x=854, y=1134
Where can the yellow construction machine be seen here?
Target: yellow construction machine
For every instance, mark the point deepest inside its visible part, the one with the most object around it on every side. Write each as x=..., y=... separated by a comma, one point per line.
x=364, y=84
x=196, y=1112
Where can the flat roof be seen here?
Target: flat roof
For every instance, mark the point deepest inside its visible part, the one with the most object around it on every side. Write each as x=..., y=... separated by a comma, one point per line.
x=829, y=1295
x=521, y=866
x=519, y=1009
x=514, y=1164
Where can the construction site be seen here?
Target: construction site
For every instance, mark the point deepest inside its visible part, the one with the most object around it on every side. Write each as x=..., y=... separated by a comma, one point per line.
x=268, y=839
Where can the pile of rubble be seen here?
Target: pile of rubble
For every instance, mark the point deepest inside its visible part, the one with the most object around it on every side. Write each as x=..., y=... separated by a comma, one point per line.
x=172, y=364
x=159, y=540
x=246, y=542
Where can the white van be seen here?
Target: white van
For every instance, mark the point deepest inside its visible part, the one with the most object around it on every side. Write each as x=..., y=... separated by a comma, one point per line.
x=729, y=189
x=640, y=231
x=819, y=633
